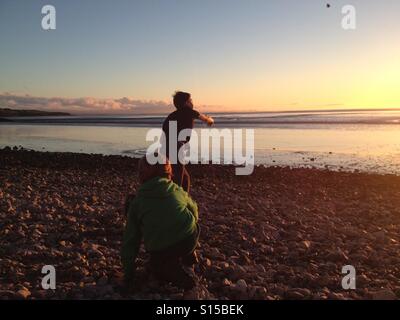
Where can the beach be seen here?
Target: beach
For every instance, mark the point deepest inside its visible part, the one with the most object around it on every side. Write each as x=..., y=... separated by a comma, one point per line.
x=280, y=233
x=368, y=141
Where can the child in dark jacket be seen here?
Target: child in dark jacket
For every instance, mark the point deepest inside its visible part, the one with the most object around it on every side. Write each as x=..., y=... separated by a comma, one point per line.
x=165, y=217
x=184, y=117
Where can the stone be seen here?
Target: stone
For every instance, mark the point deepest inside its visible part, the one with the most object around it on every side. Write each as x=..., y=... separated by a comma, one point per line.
x=306, y=244
x=23, y=293
x=294, y=295
x=226, y=282
x=379, y=236
x=384, y=294
x=241, y=285
x=102, y=281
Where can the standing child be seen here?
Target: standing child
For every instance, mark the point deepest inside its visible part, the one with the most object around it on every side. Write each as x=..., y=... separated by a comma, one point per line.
x=184, y=115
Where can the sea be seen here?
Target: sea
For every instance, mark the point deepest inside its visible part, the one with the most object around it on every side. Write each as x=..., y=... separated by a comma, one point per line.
x=343, y=140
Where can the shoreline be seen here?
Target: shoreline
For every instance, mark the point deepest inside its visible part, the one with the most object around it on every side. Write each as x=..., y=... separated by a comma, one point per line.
x=308, y=160
x=280, y=233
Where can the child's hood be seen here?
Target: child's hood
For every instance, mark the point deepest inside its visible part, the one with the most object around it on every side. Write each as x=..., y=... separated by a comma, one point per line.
x=157, y=187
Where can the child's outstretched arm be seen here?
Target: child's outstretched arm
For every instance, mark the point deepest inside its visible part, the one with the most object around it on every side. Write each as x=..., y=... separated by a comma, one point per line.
x=206, y=119
x=131, y=244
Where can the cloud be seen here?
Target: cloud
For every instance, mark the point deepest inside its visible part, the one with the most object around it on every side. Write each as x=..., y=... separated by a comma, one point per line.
x=83, y=105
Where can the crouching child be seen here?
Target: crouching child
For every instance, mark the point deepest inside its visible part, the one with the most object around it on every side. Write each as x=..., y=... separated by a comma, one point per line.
x=165, y=217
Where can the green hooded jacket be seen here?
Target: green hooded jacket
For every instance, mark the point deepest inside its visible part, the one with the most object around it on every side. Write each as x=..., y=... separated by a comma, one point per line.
x=163, y=214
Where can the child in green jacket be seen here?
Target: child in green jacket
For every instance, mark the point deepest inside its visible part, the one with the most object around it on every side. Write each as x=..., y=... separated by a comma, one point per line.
x=165, y=217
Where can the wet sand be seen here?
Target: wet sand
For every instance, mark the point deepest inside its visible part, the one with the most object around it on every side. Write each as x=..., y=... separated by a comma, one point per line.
x=280, y=233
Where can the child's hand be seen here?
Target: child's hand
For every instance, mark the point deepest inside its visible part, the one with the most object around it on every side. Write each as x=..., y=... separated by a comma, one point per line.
x=206, y=119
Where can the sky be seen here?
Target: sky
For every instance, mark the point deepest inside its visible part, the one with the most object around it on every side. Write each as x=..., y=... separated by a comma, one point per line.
x=231, y=55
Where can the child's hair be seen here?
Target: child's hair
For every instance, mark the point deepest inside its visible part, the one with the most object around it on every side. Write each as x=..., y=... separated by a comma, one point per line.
x=148, y=171
x=180, y=99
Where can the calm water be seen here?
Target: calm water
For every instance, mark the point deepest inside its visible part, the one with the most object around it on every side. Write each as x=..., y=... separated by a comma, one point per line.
x=366, y=141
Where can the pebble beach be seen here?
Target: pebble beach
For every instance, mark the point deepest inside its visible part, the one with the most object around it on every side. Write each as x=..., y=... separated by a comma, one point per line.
x=280, y=233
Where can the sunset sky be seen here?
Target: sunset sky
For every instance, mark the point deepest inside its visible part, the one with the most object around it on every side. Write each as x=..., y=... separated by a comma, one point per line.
x=232, y=55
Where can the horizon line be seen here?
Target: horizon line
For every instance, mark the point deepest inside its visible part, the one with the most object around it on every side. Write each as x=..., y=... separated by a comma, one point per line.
x=210, y=112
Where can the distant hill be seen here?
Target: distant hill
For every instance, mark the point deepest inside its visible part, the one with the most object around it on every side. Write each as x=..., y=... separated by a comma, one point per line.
x=5, y=112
